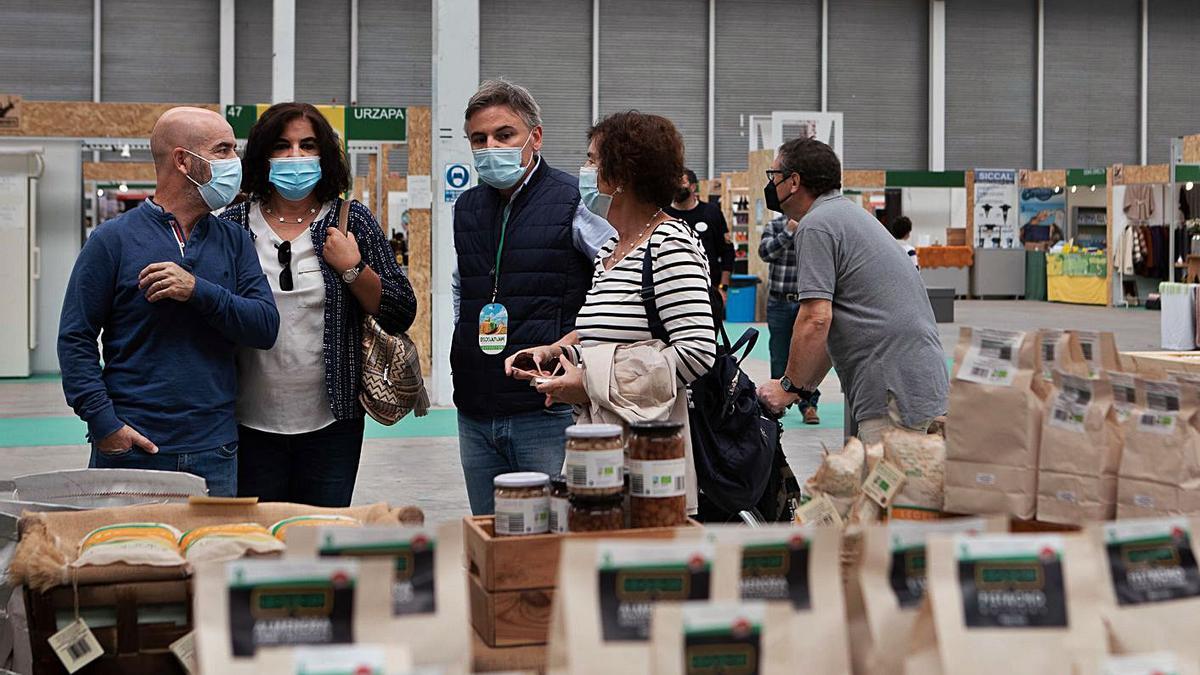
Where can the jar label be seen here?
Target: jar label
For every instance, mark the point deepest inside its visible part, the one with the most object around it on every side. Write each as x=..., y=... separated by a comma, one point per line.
x=522, y=516
x=559, y=510
x=656, y=478
x=595, y=468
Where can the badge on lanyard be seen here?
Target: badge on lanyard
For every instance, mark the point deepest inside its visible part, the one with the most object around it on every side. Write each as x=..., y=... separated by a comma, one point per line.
x=493, y=328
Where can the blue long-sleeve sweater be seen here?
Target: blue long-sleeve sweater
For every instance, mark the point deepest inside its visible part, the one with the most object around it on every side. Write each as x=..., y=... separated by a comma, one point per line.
x=169, y=368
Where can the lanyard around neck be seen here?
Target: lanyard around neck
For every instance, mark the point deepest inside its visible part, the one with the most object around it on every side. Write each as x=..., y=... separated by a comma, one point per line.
x=179, y=238
x=500, y=249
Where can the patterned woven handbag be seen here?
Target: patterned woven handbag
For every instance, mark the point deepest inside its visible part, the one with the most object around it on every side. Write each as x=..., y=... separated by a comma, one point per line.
x=391, y=385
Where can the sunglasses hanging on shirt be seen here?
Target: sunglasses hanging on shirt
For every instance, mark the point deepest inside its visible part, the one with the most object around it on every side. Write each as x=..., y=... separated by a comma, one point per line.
x=285, y=259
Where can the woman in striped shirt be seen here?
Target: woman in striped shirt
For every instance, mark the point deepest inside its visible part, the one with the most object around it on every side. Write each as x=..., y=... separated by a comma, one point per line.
x=632, y=172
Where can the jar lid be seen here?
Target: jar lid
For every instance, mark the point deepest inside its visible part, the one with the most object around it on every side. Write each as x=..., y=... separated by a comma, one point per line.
x=593, y=431
x=593, y=501
x=656, y=428
x=520, y=479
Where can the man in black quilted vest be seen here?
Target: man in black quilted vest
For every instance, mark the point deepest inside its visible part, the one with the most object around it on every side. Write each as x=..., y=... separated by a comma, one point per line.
x=525, y=246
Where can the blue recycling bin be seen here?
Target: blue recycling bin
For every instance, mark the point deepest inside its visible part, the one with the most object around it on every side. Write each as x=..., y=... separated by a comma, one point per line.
x=742, y=298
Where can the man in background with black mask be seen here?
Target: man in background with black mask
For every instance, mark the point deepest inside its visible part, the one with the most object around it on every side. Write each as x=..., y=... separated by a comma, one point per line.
x=709, y=223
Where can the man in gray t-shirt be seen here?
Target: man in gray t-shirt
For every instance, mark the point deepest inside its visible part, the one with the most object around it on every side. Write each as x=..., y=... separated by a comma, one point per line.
x=864, y=309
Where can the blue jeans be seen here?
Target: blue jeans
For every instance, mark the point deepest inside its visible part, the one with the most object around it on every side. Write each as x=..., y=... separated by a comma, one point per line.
x=781, y=319
x=218, y=466
x=317, y=468
x=533, y=441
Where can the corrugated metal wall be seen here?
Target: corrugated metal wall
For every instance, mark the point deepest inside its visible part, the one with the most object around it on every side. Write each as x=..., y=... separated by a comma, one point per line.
x=654, y=58
x=766, y=60
x=562, y=85
x=322, y=51
x=991, y=84
x=395, y=47
x=252, y=52
x=879, y=77
x=1091, y=65
x=1174, y=88
x=160, y=52
x=46, y=49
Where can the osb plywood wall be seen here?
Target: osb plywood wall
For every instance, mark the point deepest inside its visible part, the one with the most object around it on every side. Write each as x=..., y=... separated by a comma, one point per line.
x=1129, y=174
x=84, y=119
x=1191, y=149
x=1028, y=178
x=864, y=179
x=970, y=225
x=759, y=162
x=420, y=237
x=1108, y=234
x=141, y=172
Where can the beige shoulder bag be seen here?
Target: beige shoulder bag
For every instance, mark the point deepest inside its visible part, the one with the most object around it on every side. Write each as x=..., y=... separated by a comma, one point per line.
x=391, y=384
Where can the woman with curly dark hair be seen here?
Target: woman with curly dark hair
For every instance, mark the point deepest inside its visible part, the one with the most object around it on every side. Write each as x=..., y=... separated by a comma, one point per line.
x=632, y=173
x=300, y=426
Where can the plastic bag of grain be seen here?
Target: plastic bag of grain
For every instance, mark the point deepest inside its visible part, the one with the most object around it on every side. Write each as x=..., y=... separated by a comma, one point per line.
x=1152, y=591
x=154, y=544
x=922, y=459
x=892, y=579
x=228, y=542
x=1080, y=452
x=995, y=423
x=733, y=636
x=281, y=528
x=1007, y=604
x=1160, y=462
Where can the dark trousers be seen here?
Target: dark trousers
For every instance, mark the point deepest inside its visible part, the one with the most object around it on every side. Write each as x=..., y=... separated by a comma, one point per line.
x=317, y=468
x=781, y=319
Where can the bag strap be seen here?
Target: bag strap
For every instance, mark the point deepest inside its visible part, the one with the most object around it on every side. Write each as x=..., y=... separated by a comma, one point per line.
x=657, y=330
x=343, y=221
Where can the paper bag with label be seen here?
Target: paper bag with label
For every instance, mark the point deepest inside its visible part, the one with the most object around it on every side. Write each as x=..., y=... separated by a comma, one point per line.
x=798, y=567
x=251, y=614
x=1151, y=592
x=892, y=579
x=1160, y=463
x=607, y=590
x=1099, y=350
x=1012, y=603
x=995, y=424
x=922, y=459
x=428, y=591
x=742, y=636
x=1080, y=452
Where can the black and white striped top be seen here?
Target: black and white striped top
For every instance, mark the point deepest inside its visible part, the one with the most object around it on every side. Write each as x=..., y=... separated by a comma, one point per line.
x=613, y=311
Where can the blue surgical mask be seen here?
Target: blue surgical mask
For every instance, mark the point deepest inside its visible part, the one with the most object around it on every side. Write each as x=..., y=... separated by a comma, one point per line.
x=295, y=177
x=500, y=167
x=589, y=192
x=224, y=184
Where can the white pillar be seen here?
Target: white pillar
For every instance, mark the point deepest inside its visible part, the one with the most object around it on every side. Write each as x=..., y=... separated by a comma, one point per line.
x=353, y=52
x=97, y=18
x=1041, y=81
x=712, y=83
x=455, y=79
x=937, y=85
x=595, y=60
x=227, y=38
x=1144, y=97
x=824, y=55
x=283, y=51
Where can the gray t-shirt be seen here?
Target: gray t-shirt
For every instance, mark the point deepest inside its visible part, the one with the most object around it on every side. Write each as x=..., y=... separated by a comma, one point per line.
x=883, y=337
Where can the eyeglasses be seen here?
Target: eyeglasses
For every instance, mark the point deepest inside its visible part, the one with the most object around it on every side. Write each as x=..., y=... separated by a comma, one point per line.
x=285, y=259
x=782, y=172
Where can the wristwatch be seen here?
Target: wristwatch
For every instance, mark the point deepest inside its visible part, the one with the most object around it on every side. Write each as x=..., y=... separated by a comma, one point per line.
x=351, y=274
x=786, y=385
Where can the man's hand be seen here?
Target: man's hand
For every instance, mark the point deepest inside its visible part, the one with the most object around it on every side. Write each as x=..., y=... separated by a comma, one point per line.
x=533, y=362
x=775, y=398
x=124, y=439
x=341, y=250
x=792, y=224
x=724, y=296
x=566, y=388
x=166, y=280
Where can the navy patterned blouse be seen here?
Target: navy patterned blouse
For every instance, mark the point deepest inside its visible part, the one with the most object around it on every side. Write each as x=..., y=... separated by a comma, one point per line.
x=343, y=314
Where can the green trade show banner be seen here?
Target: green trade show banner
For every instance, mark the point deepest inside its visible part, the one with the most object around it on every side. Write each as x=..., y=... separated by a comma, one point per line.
x=387, y=124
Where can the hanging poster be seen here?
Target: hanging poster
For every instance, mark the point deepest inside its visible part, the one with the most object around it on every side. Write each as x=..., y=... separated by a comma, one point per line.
x=1043, y=214
x=996, y=209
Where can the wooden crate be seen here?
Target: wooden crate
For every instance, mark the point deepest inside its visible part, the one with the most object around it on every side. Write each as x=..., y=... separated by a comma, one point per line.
x=129, y=647
x=531, y=561
x=487, y=659
x=510, y=618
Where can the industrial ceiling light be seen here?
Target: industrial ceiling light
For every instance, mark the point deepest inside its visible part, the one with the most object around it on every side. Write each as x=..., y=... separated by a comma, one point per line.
x=122, y=188
x=1057, y=189
x=1093, y=188
x=125, y=151
x=100, y=192
x=1074, y=188
x=1189, y=185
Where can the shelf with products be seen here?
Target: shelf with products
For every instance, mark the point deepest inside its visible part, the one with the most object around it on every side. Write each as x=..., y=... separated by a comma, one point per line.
x=739, y=229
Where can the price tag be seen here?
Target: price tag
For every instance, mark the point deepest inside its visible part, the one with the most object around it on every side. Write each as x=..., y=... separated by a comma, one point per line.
x=184, y=650
x=75, y=646
x=884, y=481
x=819, y=511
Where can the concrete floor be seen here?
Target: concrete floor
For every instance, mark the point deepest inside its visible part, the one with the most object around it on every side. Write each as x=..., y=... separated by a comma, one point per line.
x=402, y=467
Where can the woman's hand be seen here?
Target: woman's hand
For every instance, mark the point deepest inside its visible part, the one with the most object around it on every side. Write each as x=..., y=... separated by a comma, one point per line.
x=533, y=362
x=341, y=250
x=566, y=388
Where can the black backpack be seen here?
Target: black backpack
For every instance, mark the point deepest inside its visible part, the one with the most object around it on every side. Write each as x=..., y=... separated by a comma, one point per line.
x=736, y=448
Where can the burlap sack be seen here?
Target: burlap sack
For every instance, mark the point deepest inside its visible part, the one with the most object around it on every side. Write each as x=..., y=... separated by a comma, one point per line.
x=1151, y=592
x=800, y=568
x=251, y=614
x=429, y=609
x=1099, y=351
x=607, y=589
x=738, y=636
x=1080, y=452
x=892, y=579
x=1160, y=463
x=1008, y=604
x=995, y=423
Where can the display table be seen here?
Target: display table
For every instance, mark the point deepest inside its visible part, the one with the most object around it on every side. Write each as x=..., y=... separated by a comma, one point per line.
x=1035, y=275
x=1077, y=278
x=946, y=267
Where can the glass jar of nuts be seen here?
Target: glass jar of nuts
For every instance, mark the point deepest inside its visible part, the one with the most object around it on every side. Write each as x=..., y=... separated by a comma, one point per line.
x=597, y=514
x=560, y=505
x=522, y=503
x=595, y=460
x=657, y=468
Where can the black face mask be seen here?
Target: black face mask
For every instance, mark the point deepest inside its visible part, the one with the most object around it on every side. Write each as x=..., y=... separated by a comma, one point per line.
x=771, y=195
x=683, y=195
